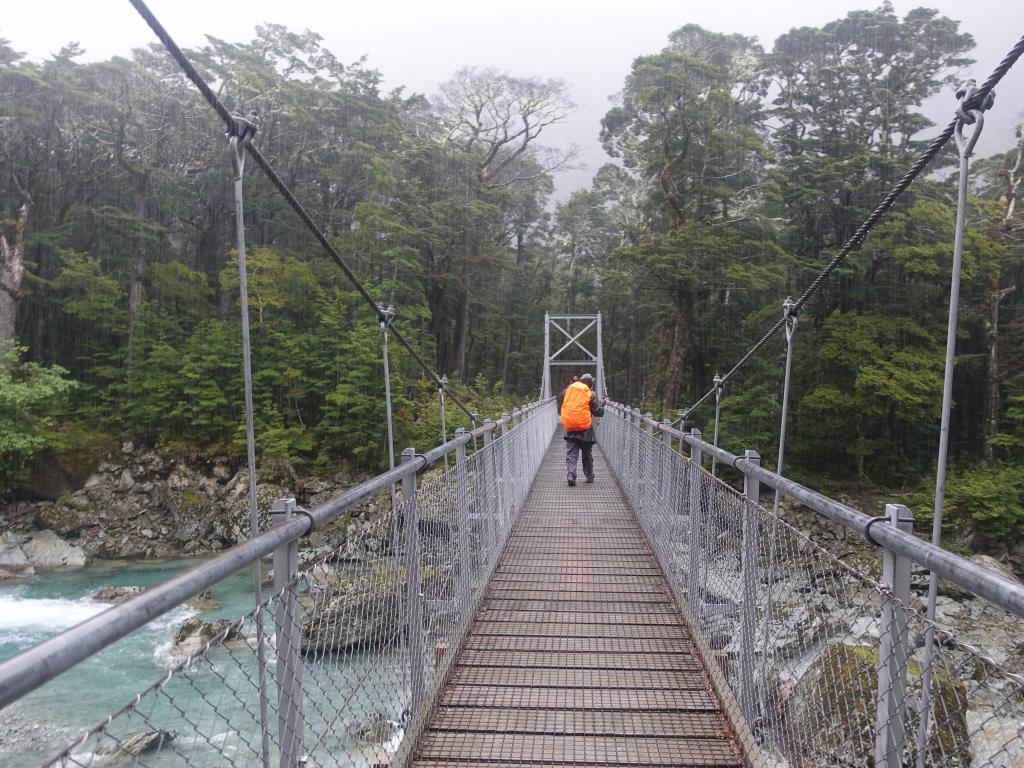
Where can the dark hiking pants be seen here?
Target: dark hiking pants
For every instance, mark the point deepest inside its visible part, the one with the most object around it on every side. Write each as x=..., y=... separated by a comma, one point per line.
x=573, y=448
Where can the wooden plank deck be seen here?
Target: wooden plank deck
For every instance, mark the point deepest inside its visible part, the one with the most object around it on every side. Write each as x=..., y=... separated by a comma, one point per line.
x=578, y=654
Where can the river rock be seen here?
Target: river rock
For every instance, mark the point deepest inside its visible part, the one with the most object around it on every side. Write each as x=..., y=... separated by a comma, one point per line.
x=237, y=523
x=985, y=561
x=126, y=483
x=14, y=562
x=194, y=633
x=835, y=700
x=62, y=519
x=139, y=504
x=48, y=552
x=204, y=601
x=135, y=744
x=116, y=594
x=995, y=740
x=351, y=616
x=375, y=728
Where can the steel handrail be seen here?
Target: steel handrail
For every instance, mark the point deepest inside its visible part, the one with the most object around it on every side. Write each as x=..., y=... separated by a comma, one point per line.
x=43, y=662
x=998, y=590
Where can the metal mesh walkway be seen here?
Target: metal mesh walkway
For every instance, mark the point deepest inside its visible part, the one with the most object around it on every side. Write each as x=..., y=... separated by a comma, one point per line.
x=578, y=654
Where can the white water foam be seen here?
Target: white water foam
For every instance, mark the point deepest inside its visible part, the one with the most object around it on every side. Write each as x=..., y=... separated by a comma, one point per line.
x=22, y=618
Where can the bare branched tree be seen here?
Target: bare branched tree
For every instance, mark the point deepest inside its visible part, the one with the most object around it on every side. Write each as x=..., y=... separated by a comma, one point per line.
x=497, y=118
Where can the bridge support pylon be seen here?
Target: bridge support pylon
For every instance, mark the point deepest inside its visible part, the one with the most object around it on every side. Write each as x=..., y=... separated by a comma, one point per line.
x=574, y=341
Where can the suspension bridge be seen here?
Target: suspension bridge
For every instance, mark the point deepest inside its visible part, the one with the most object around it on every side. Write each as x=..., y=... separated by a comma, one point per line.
x=494, y=616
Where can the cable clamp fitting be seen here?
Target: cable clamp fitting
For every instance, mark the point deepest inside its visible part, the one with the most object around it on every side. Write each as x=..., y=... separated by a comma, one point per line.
x=969, y=113
x=968, y=105
x=239, y=136
x=244, y=128
x=790, y=316
x=308, y=515
x=285, y=508
x=867, y=529
x=385, y=316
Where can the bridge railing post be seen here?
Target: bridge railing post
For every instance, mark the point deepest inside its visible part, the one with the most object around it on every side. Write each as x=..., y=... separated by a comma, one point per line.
x=635, y=484
x=652, y=482
x=696, y=508
x=665, y=537
x=462, y=510
x=748, y=608
x=413, y=589
x=502, y=470
x=622, y=444
x=488, y=493
x=288, y=633
x=893, y=649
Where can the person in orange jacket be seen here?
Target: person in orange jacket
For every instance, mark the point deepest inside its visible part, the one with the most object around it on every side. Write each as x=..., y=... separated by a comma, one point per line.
x=579, y=405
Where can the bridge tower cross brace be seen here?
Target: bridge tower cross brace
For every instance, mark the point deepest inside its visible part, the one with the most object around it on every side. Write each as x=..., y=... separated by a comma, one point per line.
x=555, y=349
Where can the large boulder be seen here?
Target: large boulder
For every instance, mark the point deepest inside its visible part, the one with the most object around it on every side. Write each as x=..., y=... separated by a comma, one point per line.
x=14, y=563
x=375, y=728
x=116, y=594
x=236, y=516
x=194, y=633
x=959, y=593
x=835, y=701
x=48, y=552
x=193, y=516
x=341, y=616
x=62, y=519
x=135, y=744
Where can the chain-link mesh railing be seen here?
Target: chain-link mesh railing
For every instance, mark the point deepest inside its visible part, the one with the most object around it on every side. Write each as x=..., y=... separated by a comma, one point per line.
x=358, y=639
x=824, y=663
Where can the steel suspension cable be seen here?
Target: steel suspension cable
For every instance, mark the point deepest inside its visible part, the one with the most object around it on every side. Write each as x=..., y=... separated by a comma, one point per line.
x=980, y=100
x=237, y=148
x=965, y=146
x=231, y=124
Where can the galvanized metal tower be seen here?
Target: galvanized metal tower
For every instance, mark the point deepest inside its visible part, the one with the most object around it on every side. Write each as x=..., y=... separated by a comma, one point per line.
x=576, y=338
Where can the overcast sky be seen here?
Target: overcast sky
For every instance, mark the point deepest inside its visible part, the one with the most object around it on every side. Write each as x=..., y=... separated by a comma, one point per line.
x=589, y=44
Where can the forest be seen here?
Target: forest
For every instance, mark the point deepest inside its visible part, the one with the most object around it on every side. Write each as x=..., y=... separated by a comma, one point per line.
x=735, y=171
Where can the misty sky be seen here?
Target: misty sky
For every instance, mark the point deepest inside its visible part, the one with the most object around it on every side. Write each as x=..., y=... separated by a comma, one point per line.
x=590, y=45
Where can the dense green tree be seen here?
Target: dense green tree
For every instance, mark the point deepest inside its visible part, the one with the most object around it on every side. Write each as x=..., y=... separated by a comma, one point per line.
x=688, y=129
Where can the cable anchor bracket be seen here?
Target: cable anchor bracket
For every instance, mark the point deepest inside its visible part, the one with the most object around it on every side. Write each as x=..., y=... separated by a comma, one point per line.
x=239, y=138
x=969, y=113
x=385, y=316
x=790, y=315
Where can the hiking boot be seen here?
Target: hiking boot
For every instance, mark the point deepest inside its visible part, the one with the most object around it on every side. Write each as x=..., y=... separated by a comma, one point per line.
x=571, y=479
x=590, y=479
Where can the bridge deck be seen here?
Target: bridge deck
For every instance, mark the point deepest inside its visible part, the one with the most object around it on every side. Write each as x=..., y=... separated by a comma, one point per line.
x=578, y=655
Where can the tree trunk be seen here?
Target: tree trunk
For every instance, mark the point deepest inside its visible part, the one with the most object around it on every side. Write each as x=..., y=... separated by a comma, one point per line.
x=674, y=378
x=505, y=357
x=993, y=402
x=462, y=322
x=635, y=380
x=462, y=330
x=138, y=259
x=12, y=268
x=37, y=350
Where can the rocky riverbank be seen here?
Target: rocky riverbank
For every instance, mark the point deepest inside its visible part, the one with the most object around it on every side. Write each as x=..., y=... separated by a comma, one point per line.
x=141, y=504
x=814, y=664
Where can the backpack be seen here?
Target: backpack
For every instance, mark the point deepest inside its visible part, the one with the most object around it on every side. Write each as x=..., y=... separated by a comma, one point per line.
x=576, y=408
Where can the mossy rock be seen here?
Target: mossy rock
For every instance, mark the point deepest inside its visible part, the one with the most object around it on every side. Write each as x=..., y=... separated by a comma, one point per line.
x=836, y=702
x=193, y=514
x=62, y=520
